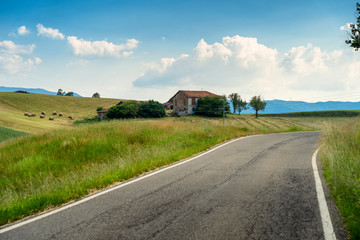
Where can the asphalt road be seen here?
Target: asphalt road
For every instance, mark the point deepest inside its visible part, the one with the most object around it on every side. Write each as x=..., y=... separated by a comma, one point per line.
x=260, y=187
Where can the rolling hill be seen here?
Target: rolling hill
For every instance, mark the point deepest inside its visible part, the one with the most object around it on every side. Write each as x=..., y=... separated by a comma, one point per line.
x=14, y=105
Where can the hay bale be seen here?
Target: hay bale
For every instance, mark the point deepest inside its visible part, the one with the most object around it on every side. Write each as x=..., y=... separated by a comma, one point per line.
x=42, y=116
x=54, y=113
x=26, y=114
x=70, y=117
x=51, y=118
x=33, y=115
x=43, y=113
x=60, y=114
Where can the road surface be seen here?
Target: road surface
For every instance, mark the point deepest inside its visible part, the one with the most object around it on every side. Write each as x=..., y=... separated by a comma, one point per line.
x=259, y=187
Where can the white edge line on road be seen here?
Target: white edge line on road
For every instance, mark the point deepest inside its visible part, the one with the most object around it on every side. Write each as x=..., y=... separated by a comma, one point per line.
x=329, y=233
x=33, y=219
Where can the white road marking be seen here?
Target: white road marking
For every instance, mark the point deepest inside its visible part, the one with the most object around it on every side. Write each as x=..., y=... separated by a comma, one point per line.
x=30, y=220
x=329, y=233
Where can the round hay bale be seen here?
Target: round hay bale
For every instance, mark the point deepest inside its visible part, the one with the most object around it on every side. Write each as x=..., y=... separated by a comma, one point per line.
x=33, y=115
x=43, y=113
x=60, y=114
x=51, y=118
x=26, y=114
x=54, y=113
x=42, y=116
x=70, y=117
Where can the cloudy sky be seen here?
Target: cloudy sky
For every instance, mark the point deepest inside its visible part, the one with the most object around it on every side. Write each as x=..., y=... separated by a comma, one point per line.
x=149, y=49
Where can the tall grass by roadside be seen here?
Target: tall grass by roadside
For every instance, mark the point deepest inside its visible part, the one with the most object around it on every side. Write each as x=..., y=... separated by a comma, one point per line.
x=340, y=154
x=40, y=171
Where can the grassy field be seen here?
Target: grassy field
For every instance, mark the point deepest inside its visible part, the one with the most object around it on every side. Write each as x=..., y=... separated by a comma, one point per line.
x=14, y=105
x=7, y=133
x=340, y=154
x=339, y=113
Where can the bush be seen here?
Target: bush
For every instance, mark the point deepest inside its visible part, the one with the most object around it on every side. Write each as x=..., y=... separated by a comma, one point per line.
x=212, y=106
x=151, y=109
x=128, y=109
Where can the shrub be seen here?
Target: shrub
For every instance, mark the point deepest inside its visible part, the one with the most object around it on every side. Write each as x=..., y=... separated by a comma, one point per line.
x=128, y=109
x=212, y=106
x=151, y=109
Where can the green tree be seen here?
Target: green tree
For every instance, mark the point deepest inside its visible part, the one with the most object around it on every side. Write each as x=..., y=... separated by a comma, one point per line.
x=128, y=109
x=96, y=95
x=60, y=92
x=242, y=105
x=354, y=33
x=69, y=94
x=151, y=109
x=234, y=98
x=212, y=106
x=257, y=104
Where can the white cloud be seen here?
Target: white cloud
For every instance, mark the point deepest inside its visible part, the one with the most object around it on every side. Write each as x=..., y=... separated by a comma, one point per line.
x=49, y=32
x=12, y=62
x=241, y=63
x=23, y=31
x=82, y=47
x=11, y=48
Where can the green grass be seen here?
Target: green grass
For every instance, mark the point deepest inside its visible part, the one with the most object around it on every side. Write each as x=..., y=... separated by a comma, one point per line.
x=340, y=154
x=14, y=105
x=6, y=134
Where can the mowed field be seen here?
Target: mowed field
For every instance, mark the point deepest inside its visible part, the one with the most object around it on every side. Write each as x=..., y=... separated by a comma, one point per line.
x=14, y=105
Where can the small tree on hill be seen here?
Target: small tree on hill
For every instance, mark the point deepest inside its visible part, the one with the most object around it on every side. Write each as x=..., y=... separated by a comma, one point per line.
x=354, y=33
x=234, y=98
x=96, y=95
x=60, y=92
x=212, y=106
x=128, y=109
x=151, y=109
x=242, y=105
x=69, y=94
x=257, y=104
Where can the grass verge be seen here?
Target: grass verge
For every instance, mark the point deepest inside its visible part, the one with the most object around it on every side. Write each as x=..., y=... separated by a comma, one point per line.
x=340, y=154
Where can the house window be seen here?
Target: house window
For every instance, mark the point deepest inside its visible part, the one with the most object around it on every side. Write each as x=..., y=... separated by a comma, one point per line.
x=171, y=107
x=193, y=101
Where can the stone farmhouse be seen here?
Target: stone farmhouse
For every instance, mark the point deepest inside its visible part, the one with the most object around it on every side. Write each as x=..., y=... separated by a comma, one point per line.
x=184, y=102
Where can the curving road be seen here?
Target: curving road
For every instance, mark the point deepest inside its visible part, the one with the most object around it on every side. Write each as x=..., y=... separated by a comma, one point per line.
x=259, y=187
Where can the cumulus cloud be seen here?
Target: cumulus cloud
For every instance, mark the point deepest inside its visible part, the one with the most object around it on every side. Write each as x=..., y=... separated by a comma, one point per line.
x=103, y=48
x=244, y=63
x=49, y=32
x=233, y=60
x=11, y=60
x=23, y=31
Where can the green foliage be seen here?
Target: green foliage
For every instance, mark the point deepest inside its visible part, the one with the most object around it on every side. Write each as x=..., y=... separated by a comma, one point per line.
x=60, y=92
x=212, y=106
x=128, y=109
x=257, y=104
x=99, y=108
x=340, y=153
x=151, y=109
x=354, y=33
x=96, y=95
x=238, y=103
x=69, y=94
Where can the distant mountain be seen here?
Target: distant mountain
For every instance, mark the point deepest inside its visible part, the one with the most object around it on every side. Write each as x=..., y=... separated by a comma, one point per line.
x=30, y=90
x=280, y=106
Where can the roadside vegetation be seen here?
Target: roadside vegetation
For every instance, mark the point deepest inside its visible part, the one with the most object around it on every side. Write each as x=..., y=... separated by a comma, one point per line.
x=340, y=154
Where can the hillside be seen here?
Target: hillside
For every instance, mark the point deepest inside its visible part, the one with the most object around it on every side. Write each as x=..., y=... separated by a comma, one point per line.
x=14, y=105
x=30, y=90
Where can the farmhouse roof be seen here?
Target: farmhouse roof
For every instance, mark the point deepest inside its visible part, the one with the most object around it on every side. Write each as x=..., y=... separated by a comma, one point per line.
x=198, y=94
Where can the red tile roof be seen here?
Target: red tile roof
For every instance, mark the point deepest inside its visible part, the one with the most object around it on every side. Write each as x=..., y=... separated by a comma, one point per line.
x=198, y=94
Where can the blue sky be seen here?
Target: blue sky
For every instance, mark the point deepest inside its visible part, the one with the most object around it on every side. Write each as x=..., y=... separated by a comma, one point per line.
x=290, y=50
